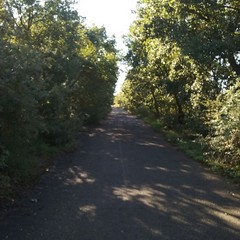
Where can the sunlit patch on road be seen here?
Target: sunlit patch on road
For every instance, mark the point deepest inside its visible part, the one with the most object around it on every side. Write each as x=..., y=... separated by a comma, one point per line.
x=88, y=211
x=151, y=144
x=142, y=194
x=157, y=169
x=78, y=176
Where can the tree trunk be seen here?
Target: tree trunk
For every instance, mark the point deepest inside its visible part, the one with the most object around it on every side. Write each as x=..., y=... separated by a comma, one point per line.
x=180, y=112
x=233, y=63
x=157, y=113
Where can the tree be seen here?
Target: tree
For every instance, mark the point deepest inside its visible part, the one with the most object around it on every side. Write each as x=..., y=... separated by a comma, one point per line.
x=184, y=67
x=56, y=74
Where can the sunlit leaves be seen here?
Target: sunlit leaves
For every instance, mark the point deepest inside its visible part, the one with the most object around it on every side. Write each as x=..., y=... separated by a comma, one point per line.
x=184, y=67
x=55, y=72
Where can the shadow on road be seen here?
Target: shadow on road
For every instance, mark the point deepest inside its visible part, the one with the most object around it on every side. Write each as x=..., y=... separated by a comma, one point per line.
x=125, y=182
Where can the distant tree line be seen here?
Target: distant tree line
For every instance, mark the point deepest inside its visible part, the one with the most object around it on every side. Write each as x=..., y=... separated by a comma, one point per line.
x=184, y=61
x=56, y=74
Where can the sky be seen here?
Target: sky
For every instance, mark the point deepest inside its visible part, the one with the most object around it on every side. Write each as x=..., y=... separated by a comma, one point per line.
x=115, y=15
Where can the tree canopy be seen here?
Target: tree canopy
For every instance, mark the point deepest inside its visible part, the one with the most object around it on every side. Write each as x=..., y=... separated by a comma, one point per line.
x=55, y=75
x=184, y=61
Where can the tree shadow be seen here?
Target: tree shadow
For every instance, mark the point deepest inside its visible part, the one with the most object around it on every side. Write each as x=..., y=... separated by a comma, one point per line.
x=125, y=182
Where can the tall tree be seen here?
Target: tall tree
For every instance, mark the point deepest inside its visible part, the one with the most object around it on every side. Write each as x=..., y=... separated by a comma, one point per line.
x=184, y=63
x=55, y=74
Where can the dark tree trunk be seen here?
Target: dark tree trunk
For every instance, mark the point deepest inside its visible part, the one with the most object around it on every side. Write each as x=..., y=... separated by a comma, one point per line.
x=233, y=63
x=180, y=111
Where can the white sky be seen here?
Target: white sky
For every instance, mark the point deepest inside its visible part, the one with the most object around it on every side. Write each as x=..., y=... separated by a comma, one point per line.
x=115, y=15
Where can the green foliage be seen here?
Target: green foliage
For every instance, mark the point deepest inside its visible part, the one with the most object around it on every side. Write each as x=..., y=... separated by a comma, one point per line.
x=225, y=127
x=56, y=74
x=5, y=187
x=184, y=71
x=192, y=145
x=23, y=168
x=4, y=155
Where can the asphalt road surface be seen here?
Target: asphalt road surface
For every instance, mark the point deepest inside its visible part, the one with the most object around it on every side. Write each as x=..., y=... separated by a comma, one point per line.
x=125, y=182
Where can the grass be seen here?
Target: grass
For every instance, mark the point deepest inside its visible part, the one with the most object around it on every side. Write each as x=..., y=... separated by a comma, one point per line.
x=224, y=167
x=195, y=147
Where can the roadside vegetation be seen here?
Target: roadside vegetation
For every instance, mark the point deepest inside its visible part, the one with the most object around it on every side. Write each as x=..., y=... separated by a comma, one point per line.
x=184, y=77
x=56, y=75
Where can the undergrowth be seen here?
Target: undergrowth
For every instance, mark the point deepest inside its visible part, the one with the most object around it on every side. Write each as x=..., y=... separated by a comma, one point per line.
x=196, y=147
x=21, y=169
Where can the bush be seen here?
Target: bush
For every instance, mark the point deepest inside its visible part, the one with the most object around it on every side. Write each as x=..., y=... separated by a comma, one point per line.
x=4, y=155
x=224, y=137
x=53, y=73
x=5, y=186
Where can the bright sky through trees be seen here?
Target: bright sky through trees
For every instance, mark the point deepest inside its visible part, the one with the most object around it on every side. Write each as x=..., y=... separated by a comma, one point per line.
x=115, y=15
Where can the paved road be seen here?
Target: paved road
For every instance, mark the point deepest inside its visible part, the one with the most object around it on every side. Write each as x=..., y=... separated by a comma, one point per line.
x=125, y=182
